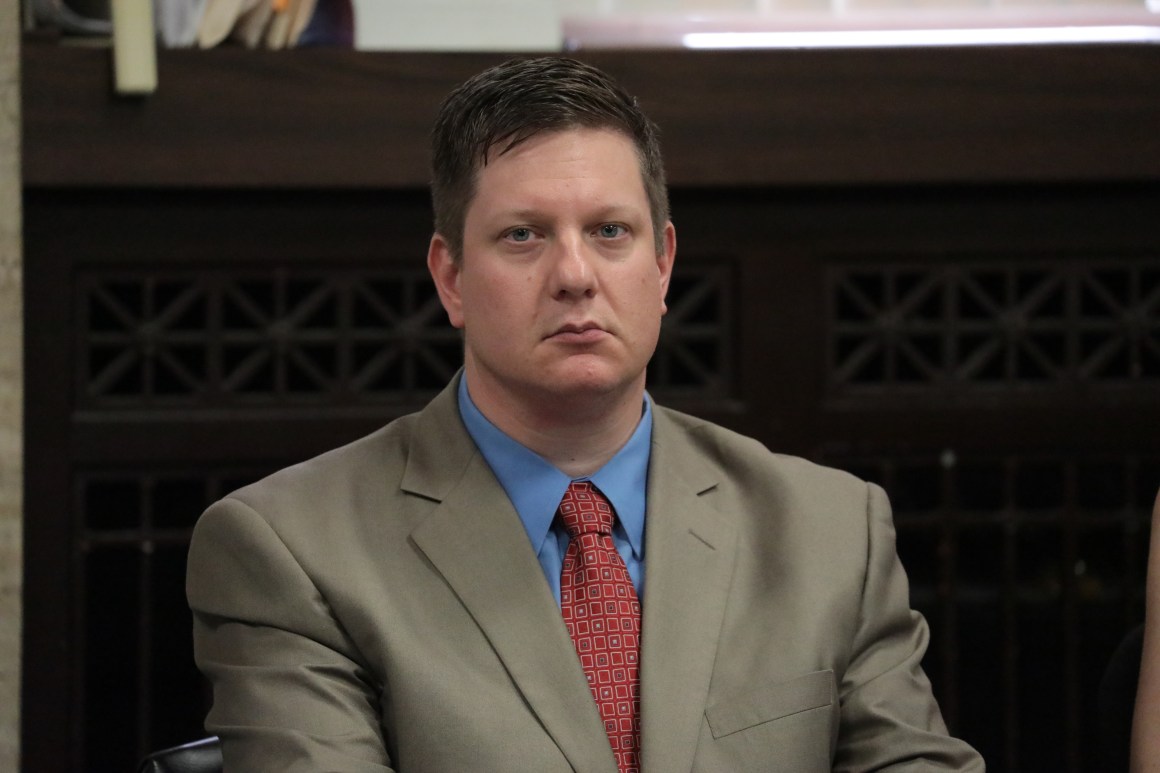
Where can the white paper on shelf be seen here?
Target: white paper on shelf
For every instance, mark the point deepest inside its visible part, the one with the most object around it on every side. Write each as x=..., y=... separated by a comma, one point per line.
x=457, y=25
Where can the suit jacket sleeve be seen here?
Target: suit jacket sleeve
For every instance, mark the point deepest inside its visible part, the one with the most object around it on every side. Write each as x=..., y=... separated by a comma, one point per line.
x=889, y=718
x=291, y=693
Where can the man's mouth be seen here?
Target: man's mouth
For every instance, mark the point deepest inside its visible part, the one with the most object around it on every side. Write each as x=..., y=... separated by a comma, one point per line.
x=582, y=333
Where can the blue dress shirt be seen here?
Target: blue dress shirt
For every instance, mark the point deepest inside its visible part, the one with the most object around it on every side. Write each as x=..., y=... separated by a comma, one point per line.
x=535, y=487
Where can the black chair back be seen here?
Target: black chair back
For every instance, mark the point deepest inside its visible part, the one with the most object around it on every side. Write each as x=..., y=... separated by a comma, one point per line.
x=204, y=756
x=1116, y=701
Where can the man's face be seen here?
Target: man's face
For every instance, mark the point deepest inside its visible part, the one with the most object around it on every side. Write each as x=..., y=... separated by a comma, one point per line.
x=559, y=289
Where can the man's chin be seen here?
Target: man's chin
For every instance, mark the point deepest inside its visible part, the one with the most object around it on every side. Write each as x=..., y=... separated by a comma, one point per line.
x=591, y=382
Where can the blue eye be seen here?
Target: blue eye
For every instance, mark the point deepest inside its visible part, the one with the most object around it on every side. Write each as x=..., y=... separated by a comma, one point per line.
x=520, y=234
x=611, y=230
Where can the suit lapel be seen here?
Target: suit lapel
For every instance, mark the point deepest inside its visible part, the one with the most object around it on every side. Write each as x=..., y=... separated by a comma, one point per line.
x=689, y=558
x=475, y=540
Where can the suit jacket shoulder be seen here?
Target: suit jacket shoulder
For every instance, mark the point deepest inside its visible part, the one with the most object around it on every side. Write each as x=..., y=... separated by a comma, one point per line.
x=381, y=605
x=425, y=450
x=734, y=453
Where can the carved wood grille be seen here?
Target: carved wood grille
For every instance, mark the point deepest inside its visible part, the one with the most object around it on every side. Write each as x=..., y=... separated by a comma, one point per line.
x=212, y=339
x=694, y=356
x=1029, y=569
x=1019, y=322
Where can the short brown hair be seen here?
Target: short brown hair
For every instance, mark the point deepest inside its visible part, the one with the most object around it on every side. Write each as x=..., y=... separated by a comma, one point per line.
x=512, y=102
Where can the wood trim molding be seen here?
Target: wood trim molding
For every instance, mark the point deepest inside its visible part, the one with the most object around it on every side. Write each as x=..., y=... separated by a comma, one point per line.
x=327, y=118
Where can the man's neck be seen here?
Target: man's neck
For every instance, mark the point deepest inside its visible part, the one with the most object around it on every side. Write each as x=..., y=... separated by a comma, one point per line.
x=577, y=434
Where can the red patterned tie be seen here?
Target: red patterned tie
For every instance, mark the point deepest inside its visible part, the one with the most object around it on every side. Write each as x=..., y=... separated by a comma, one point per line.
x=602, y=613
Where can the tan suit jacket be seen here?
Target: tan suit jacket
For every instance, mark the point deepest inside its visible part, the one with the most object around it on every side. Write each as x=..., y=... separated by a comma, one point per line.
x=380, y=607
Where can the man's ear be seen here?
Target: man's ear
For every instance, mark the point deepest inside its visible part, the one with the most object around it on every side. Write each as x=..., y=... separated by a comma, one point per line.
x=665, y=260
x=445, y=271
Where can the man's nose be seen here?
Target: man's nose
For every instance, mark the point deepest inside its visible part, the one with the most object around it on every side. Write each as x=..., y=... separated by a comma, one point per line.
x=574, y=275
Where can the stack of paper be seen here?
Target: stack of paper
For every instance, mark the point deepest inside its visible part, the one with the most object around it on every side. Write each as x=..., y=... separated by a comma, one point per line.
x=266, y=23
x=272, y=24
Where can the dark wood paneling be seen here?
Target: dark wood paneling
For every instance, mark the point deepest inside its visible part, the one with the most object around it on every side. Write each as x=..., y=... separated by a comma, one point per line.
x=776, y=245
x=334, y=118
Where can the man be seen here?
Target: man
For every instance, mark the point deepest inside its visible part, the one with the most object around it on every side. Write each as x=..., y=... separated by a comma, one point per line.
x=1144, y=752
x=463, y=589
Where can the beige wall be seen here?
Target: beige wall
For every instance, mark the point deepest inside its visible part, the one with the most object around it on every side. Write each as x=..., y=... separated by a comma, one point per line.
x=773, y=7
x=11, y=387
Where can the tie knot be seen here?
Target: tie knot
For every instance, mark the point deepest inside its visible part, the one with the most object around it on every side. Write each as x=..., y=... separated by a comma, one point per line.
x=584, y=510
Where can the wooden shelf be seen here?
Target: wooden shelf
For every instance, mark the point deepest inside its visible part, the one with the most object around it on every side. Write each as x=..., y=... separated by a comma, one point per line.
x=326, y=118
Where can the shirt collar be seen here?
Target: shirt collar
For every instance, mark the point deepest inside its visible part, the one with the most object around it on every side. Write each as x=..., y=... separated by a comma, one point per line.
x=535, y=486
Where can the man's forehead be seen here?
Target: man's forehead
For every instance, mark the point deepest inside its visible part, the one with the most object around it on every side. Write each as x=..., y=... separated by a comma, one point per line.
x=598, y=167
x=519, y=138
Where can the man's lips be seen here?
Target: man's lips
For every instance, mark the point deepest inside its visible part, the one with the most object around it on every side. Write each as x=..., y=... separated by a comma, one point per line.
x=583, y=333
